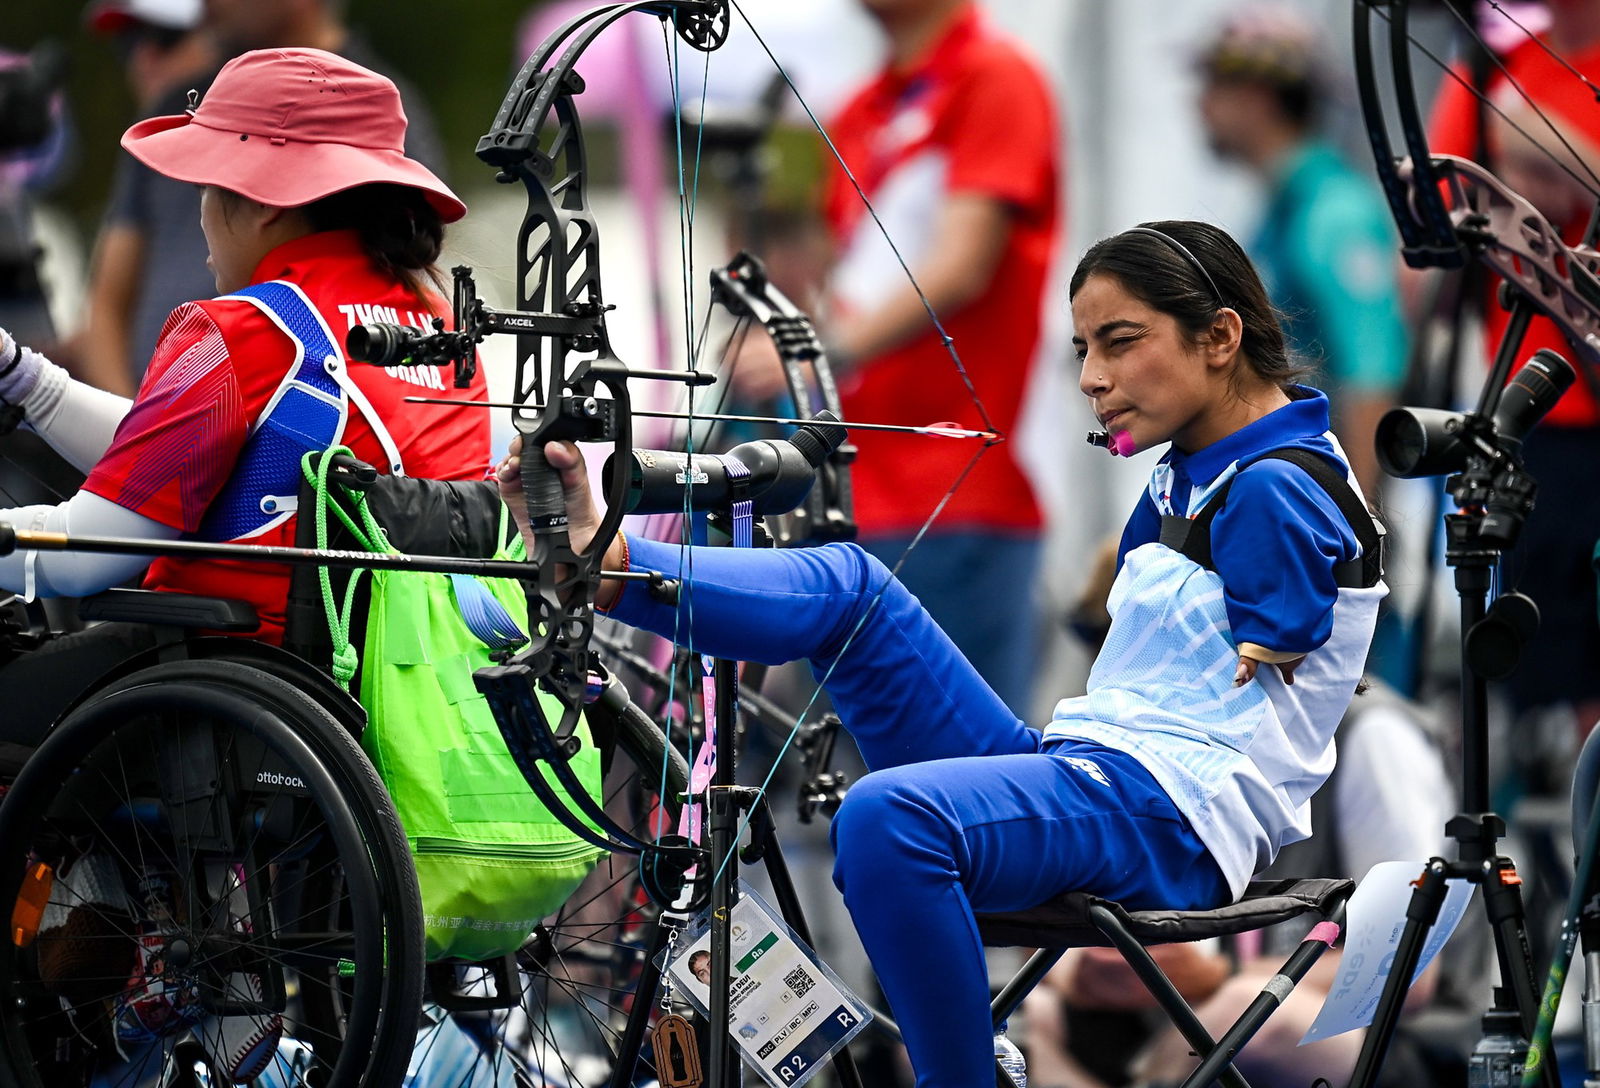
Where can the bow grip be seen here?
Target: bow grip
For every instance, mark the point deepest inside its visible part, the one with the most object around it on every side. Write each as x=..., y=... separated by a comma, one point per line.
x=541, y=487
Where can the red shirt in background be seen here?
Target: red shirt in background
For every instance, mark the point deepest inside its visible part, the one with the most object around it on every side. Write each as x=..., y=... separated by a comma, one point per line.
x=974, y=115
x=215, y=368
x=1453, y=130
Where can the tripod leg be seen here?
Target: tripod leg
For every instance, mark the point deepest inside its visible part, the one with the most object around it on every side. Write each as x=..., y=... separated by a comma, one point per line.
x=723, y=823
x=638, y=1023
x=1421, y=913
x=1502, y=898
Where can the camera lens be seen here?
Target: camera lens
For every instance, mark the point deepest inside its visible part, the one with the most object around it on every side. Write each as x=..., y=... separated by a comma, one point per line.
x=1419, y=442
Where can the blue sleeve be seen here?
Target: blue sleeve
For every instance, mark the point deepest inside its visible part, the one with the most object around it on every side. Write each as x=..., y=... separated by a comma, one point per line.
x=1143, y=527
x=1347, y=271
x=1275, y=544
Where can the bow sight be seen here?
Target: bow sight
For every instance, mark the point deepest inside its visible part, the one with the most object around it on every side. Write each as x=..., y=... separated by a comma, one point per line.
x=385, y=344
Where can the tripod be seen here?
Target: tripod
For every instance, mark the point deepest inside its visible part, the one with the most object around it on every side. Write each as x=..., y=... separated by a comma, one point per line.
x=1476, y=832
x=1494, y=495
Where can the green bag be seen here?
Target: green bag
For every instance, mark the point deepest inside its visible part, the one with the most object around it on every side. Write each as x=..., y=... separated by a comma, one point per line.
x=491, y=861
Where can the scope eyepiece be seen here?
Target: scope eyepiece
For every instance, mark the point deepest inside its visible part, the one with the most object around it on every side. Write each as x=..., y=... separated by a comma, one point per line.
x=384, y=344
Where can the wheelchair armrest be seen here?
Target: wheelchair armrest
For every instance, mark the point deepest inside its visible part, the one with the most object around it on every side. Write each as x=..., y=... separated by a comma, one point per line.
x=352, y=473
x=170, y=609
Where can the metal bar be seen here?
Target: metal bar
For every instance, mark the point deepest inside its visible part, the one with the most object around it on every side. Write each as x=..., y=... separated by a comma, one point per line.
x=29, y=540
x=1265, y=1004
x=1144, y=966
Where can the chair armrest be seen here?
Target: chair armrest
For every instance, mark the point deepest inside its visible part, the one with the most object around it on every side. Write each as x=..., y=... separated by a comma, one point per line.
x=170, y=609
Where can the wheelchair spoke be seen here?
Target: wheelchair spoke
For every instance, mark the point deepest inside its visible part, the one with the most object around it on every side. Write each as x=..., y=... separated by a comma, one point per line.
x=201, y=854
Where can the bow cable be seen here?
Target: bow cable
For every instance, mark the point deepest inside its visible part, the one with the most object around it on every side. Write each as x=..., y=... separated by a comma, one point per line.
x=949, y=345
x=1495, y=59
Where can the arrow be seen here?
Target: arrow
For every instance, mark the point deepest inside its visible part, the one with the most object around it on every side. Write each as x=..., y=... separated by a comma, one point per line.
x=937, y=430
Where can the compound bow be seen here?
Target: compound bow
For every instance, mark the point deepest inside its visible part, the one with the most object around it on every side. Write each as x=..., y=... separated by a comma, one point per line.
x=564, y=364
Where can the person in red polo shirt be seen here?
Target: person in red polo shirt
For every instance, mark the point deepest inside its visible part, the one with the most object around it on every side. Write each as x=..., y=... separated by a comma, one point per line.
x=955, y=143
x=307, y=198
x=1534, y=89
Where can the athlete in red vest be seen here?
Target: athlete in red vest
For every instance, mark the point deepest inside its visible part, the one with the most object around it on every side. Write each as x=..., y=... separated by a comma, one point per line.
x=307, y=198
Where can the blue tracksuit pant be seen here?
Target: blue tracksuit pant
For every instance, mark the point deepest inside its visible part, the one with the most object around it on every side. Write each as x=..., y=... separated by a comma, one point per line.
x=965, y=810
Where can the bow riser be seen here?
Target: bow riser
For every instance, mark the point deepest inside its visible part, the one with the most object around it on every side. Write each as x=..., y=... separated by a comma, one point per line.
x=1511, y=237
x=537, y=138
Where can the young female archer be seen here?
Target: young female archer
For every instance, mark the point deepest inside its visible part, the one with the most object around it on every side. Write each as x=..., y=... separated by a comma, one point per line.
x=1210, y=711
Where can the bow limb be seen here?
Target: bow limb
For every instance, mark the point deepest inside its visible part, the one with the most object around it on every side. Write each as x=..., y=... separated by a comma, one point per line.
x=745, y=291
x=1450, y=210
x=1509, y=236
x=1425, y=231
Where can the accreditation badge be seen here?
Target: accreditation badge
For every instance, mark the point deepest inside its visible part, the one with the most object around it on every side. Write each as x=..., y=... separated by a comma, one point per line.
x=787, y=1011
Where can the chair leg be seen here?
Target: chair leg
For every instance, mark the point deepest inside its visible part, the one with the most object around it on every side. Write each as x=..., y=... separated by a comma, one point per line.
x=1166, y=995
x=1022, y=983
x=1273, y=994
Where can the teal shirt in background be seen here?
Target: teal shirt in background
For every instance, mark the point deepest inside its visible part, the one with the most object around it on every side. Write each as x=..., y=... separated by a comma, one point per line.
x=1325, y=249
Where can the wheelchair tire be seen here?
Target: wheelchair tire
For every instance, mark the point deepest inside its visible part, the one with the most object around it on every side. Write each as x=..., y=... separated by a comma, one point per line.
x=258, y=821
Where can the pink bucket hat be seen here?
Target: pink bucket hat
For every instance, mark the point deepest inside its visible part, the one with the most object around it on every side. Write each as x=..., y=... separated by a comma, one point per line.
x=286, y=127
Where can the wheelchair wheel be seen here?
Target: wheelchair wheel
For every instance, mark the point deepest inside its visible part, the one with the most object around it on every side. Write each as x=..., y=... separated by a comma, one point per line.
x=205, y=873
x=564, y=1010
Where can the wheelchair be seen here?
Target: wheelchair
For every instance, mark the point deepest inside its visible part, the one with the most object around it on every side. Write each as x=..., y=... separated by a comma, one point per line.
x=200, y=859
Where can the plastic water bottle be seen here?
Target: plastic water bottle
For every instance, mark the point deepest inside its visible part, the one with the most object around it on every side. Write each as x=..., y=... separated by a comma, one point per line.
x=1498, y=1058
x=1010, y=1058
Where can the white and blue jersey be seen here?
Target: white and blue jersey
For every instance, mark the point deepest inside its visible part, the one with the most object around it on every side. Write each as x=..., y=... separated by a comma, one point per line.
x=1240, y=762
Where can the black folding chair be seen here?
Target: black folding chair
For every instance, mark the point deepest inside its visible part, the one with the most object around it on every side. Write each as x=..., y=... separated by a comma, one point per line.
x=1077, y=920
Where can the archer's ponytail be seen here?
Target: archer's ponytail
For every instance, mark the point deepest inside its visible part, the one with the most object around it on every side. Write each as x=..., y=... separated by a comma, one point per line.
x=400, y=231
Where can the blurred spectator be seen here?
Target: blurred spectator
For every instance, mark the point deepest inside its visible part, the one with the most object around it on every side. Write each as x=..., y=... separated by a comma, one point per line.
x=972, y=206
x=1388, y=799
x=241, y=25
x=36, y=144
x=34, y=147
x=157, y=42
x=150, y=255
x=1551, y=562
x=1325, y=246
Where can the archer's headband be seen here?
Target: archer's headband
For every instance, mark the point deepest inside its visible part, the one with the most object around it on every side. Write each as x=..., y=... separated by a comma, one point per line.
x=1182, y=251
